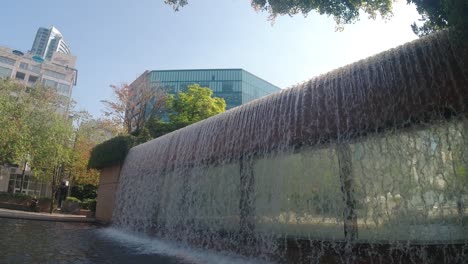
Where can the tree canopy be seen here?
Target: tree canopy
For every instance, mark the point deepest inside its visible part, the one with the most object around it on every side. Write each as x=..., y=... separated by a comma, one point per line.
x=194, y=105
x=134, y=103
x=89, y=133
x=32, y=128
x=440, y=14
x=435, y=14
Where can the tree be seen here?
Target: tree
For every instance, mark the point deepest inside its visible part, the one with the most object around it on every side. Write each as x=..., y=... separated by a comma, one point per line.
x=342, y=11
x=29, y=119
x=89, y=133
x=440, y=14
x=435, y=14
x=158, y=128
x=13, y=114
x=135, y=103
x=194, y=105
x=34, y=130
x=186, y=108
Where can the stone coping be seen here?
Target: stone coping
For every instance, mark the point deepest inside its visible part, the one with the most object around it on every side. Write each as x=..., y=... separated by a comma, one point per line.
x=6, y=213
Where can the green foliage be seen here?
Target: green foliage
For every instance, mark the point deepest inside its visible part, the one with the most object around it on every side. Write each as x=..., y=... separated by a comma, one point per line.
x=84, y=191
x=142, y=136
x=73, y=199
x=32, y=129
x=13, y=123
x=159, y=128
x=111, y=152
x=186, y=108
x=342, y=11
x=440, y=14
x=435, y=14
x=89, y=204
x=14, y=197
x=194, y=105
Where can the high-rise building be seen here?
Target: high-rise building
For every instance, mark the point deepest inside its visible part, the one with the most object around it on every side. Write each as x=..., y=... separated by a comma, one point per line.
x=236, y=86
x=57, y=73
x=48, y=41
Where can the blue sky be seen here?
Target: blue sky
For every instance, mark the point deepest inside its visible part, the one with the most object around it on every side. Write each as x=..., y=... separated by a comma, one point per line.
x=116, y=40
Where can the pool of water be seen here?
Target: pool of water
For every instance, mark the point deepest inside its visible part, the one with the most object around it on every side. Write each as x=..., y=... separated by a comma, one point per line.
x=26, y=241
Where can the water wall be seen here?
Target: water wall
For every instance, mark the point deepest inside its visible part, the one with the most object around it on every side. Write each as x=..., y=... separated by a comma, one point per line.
x=368, y=162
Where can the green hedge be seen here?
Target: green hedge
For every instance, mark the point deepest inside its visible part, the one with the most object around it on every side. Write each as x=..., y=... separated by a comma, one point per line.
x=89, y=204
x=110, y=152
x=114, y=150
x=73, y=199
x=84, y=191
x=14, y=197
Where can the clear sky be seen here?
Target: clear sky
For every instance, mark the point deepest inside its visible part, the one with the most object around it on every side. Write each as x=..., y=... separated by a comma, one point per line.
x=116, y=40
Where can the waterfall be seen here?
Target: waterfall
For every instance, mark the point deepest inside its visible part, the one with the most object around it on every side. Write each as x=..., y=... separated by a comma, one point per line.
x=368, y=159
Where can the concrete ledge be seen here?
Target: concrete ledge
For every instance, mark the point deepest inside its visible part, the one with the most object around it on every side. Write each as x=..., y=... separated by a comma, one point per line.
x=5, y=213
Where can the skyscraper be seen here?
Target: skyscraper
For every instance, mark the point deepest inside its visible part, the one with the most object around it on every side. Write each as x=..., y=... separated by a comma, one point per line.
x=48, y=41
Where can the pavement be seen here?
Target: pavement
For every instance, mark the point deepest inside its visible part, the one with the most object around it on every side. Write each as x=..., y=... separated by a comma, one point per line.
x=7, y=213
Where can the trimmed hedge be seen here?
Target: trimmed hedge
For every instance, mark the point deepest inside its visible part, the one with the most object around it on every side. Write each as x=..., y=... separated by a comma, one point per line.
x=15, y=197
x=73, y=199
x=111, y=152
x=89, y=204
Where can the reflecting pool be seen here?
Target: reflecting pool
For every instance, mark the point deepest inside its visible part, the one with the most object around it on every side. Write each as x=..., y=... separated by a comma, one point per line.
x=25, y=241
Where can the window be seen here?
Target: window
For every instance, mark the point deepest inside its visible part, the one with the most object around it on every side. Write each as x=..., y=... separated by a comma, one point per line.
x=63, y=88
x=32, y=79
x=55, y=74
x=205, y=84
x=23, y=65
x=227, y=87
x=35, y=68
x=7, y=60
x=20, y=76
x=183, y=87
x=5, y=72
x=49, y=83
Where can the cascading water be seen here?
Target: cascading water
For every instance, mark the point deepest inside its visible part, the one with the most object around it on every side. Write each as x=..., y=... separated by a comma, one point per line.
x=365, y=164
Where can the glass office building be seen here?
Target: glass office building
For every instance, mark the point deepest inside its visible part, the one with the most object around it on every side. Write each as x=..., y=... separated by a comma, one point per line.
x=236, y=86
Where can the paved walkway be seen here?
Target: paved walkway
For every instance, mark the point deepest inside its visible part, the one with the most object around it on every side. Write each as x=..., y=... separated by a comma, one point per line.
x=6, y=213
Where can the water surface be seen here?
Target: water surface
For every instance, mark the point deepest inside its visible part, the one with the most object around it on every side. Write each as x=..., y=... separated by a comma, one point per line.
x=26, y=241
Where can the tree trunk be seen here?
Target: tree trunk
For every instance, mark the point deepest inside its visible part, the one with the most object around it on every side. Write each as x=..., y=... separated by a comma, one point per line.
x=22, y=177
x=52, y=193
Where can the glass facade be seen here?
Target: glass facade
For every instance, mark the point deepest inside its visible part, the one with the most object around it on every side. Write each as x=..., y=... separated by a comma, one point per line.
x=236, y=86
x=31, y=185
x=48, y=41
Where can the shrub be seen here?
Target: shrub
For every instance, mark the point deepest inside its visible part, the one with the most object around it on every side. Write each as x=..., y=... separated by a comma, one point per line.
x=159, y=128
x=89, y=204
x=84, y=191
x=73, y=199
x=14, y=197
x=110, y=152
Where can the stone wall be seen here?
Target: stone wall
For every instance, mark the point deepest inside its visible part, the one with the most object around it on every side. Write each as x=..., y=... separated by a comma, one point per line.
x=108, y=185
